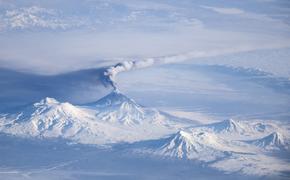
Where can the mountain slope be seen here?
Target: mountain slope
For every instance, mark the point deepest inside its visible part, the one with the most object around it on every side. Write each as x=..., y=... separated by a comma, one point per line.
x=196, y=145
x=48, y=118
x=118, y=109
x=227, y=126
x=274, y=141
x=114, y=118
x=225, y=152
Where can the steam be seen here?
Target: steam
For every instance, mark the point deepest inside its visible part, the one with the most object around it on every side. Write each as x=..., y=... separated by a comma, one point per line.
x=112, y=71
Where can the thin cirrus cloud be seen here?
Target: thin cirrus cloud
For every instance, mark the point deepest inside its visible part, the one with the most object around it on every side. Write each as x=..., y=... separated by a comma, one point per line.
x=222, y=10
x=266, y=19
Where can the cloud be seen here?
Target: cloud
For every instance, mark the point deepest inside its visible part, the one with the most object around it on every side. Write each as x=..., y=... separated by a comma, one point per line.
x=112, y=71
x=114, y=30
x=229, y=11
x=92, y=15
x=129, y=34
x=128, y=65
x=245, y=14
x=33, y=16
x=145, y=5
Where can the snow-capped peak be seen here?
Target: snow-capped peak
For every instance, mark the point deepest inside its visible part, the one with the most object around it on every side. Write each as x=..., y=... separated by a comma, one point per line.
x=121, y=120
x=178, y=145
x=52, y=106
x=227, y=126
x=181, y=138
x=200, y=145
x=116, y=107
x=47, y=101
x=48, y=118
x=115, y=98
x=274, y=140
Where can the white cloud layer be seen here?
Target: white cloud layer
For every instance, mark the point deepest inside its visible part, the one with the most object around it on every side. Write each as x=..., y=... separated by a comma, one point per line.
x=32, y=17
x=54, y=36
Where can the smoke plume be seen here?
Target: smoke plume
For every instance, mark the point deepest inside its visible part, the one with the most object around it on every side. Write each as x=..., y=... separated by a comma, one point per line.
x=111, y=72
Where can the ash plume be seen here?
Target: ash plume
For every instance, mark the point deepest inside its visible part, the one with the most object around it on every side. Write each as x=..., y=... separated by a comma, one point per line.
x=112, y=71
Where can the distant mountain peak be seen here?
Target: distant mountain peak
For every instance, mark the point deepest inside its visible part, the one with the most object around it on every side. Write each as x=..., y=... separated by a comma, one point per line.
x=117, y=107
x=49, y=118
x=276, y=137
x=115, y=98
x=200, y=145
x=47, y=101
x=182, y=137
x=178, y=145
x=228, y=125
x=274, y=140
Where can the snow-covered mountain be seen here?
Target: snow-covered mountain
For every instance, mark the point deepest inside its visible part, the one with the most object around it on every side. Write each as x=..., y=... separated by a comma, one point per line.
x=227, y=126
x=114, y=118
x=118, y=108
x=202, y=146
x=222, y=144
x=242, y=130
x=51, y=119
x=274, y=141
